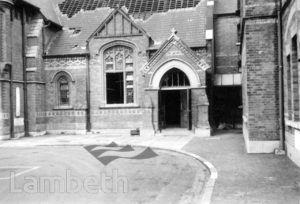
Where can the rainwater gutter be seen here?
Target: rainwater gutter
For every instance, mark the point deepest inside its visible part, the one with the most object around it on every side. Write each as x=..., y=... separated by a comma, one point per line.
x=88, y=90
x=26, y=130
x=10, y=71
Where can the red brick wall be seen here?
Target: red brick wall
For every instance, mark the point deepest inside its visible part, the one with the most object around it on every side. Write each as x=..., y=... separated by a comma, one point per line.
x=259, y=7
x=260, y=72
x=71, y=118
x=12, y=34
x=226, y=50
x=291, y=19
x=262, y=81
x=120, y=117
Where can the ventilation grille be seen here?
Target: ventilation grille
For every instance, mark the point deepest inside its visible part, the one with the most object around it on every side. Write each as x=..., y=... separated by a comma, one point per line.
x=139, y=8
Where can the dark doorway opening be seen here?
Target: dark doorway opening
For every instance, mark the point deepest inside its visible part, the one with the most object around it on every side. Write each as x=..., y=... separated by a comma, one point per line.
x=172, y=108
x=227, y=109
x=174, y=100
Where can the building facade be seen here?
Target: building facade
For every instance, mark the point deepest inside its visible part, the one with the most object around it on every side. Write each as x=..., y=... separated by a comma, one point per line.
x=261, y=86
x=108, y=67
x=290, y=61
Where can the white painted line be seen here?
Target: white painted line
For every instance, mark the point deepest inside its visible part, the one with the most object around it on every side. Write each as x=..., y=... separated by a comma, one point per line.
x=205, y=196
x=28, y=169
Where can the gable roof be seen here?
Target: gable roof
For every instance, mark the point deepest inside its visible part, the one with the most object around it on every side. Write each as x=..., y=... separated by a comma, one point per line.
x=133, y=30
x=72, y=39
x=174, y=40
x=190, y=24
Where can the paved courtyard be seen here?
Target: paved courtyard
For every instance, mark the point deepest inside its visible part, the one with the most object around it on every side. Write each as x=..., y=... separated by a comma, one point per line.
x=172, y=142
x=167, y=178
x=247, y=178
x=72, y=174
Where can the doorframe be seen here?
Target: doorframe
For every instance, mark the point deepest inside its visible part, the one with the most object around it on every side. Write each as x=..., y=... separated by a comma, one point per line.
x=189, y=105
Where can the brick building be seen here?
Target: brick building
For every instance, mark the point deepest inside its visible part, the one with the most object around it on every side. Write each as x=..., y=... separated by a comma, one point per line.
x=71, y=66
x=261, y=87
x=290, y=63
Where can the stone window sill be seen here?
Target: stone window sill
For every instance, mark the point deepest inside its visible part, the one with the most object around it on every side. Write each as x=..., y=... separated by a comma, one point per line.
x=63, y=108
x=116, y=106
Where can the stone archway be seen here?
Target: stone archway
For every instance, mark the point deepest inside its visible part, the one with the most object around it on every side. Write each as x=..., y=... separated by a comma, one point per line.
x=174, y=101
x=196, y=91
x=188, y=70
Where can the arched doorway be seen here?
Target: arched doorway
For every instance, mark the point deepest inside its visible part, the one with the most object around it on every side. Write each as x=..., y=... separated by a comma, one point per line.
x=174, y=100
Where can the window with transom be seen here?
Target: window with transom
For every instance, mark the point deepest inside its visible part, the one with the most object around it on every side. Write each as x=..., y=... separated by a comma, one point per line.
x=118, y=65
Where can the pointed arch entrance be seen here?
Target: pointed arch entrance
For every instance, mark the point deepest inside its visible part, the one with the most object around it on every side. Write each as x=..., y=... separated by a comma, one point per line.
x=174, y=100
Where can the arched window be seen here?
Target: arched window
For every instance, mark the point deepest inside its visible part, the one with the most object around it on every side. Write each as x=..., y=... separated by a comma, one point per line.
x=118, y=65
x=174, y=78
x=63, y=91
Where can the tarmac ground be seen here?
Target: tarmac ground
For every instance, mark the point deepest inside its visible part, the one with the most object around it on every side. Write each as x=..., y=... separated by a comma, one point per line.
x=168, y=178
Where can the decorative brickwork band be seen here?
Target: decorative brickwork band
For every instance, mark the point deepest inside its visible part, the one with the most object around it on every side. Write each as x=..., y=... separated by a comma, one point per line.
x=71, y=62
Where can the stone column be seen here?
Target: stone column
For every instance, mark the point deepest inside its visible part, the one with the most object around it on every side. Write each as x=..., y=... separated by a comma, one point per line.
x=150, y=118
x=200, y=112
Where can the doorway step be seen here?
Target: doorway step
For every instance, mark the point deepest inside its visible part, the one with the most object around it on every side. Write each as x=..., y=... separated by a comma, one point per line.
x=175, y=132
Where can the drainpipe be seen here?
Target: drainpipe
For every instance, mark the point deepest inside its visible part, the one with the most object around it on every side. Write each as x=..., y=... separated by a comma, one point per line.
x=88, y=91
x=11, y=105
x=281, y=77
x=24, y=74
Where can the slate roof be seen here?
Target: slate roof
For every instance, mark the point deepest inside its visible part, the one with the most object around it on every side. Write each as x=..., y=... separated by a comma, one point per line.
x=67, y=41
x=138, y=7
x=46, y=8
x=189, y=23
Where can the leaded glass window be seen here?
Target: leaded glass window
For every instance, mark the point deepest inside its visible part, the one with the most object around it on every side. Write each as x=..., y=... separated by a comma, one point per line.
x=118, y=65
x=174, y=78
x=64, y=92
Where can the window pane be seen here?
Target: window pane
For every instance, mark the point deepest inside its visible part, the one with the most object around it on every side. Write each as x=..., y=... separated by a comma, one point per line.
x=119, y=61
x=115, y=88
x=174, y=78
x=109, y=67
x=129, y=87
x=129, y=66
x=64, y=95
x=119, y=76
x=63, y=91
x=109, y=59
x=130, y=95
